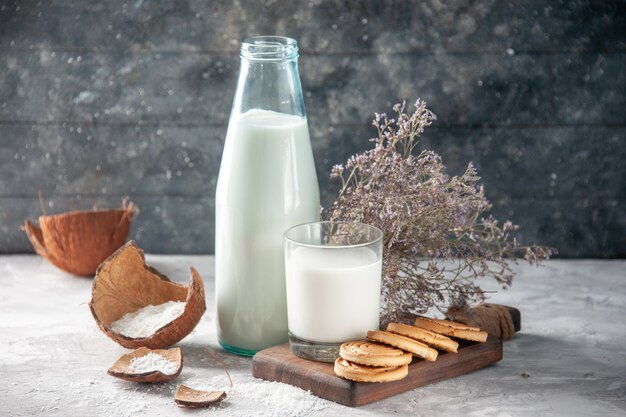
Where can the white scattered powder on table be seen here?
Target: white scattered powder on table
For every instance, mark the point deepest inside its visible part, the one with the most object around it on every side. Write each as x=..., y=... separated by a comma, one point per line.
x=136, y=400
x=267, y=399
x=147, y=320
x=153, y=362
x=248, y=397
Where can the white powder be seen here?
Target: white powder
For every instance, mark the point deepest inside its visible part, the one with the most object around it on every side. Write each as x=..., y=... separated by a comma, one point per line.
x=267, y=399
x=249, y=397
x=147, y=320
x=153, y=362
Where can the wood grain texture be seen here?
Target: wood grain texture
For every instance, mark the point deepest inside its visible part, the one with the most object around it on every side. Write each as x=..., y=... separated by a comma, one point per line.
x=197, y=89
x=136, y=105
x=324, y=26
x=279, y=364
x=539, y=178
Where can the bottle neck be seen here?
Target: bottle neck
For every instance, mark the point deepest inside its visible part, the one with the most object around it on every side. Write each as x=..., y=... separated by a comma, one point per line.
x=269, y=77
x=269, y=48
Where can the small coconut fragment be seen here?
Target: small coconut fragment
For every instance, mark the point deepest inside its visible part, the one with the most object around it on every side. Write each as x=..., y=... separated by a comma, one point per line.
x=124, y=367
x=125, y=284
x=191, y=398
x=78, y=241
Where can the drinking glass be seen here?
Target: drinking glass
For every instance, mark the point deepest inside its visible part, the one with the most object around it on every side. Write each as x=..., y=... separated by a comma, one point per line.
x=333, y=282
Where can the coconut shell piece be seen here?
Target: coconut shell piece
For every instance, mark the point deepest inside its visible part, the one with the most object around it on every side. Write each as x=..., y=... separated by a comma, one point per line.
x=124, y=284
x=191, y=398
x=78, y=241
x=122, y=369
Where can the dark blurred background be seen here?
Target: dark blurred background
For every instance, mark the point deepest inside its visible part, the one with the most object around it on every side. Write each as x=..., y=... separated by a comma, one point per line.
x=105, y=99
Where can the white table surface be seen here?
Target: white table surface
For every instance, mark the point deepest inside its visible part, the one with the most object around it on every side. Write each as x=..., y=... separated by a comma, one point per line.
x=569, y=359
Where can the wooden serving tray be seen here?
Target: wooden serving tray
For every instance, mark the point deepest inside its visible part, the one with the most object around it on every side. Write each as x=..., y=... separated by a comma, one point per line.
x=278, y=363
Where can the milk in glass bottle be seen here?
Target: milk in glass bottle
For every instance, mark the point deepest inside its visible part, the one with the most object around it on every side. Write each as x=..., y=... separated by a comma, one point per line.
x=267, y=183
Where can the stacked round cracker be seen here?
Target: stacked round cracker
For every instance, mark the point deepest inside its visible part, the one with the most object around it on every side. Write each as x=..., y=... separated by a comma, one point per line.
x=365, y=361
x=387, y=354
x=374, y=354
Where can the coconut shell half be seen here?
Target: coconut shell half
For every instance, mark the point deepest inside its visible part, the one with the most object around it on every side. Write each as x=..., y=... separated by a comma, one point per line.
x=122, y=367
x=124, y=284
x=78, y=241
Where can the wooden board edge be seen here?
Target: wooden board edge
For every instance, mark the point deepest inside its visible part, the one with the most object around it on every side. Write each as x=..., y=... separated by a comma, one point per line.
x=353, y=394
x=485, y=354
x=270, y=368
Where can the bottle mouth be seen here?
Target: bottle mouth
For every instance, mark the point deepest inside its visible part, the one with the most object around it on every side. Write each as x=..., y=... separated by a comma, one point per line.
x=269, y=48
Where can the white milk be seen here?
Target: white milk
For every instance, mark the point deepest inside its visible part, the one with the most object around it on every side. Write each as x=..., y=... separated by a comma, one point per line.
x=267, y=184
x=333, y=294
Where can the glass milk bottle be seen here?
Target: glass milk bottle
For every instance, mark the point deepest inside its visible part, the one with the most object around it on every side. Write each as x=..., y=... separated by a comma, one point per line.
x=267, y=184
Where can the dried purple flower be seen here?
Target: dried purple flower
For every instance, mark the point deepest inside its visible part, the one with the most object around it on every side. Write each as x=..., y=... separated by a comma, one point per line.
x=437, y=242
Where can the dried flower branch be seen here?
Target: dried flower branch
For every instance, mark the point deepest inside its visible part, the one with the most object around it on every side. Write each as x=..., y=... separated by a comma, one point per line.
x=437, y=240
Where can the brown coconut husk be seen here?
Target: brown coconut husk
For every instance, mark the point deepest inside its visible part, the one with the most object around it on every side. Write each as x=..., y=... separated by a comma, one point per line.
x=124, y=284
x=121, y=368
x=191, y=398
x=78, y=241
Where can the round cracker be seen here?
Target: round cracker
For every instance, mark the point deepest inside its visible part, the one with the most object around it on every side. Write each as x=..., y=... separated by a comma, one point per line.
x=363, y=373
x=433, y=339
x=364, y=352
x=404, y=343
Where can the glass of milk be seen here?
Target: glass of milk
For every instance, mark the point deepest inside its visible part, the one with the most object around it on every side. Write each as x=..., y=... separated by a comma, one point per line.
x=333, y=281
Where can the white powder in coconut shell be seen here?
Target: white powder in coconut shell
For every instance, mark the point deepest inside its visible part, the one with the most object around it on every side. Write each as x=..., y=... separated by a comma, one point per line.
x=153, y=362
x=147, y=320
